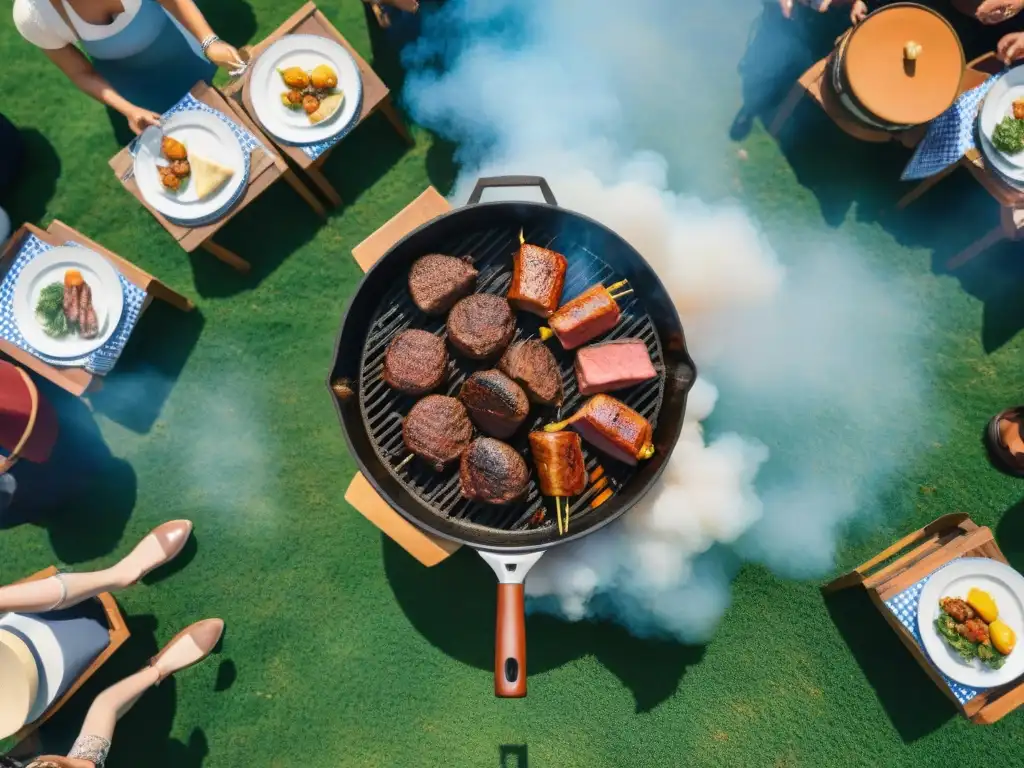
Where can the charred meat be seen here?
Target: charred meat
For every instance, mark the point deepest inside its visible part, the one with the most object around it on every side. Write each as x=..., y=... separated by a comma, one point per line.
x=586, y=317
x=613, y=365
x=437, y=430
x=531, y=365
x=558, y=457
x=416, y=362
x=88, y=327
x=496, y=404
x=481, y=326
x=957, y=608
x=492, y=472
x=613, y=428
x=538, y=276
x=436, y=282
x=974, y=630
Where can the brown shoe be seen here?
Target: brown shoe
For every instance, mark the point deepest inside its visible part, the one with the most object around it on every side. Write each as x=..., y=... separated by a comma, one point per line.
x=190, y=646
x=1006, y=440
x=158, y=547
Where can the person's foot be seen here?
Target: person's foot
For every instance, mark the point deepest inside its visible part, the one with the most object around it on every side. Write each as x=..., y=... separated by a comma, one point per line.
x=1006, y=440
x=159, y=547
x=190, y=646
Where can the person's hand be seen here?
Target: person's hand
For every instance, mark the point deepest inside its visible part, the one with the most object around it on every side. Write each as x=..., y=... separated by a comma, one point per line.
x=787, y=8
x=859, y=12
x=1011, y=47
x=224, y=55
x=140, y=119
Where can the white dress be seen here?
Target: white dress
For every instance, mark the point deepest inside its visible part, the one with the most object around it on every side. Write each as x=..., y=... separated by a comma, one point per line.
x=40, y=23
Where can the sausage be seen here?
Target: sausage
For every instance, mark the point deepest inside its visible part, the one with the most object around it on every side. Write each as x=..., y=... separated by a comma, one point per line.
x=586, y=317
x=558, y=457
x=84, y=305
x=612, y=427
x=71, y=302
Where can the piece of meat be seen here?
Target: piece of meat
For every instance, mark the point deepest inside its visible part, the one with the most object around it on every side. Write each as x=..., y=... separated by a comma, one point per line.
x=558, y=457
x=586, y=317
x=91, y=328
x=538, y=276
x=416, y=362
x=72, y=302
x=492, y=472
x=437, y=430
x=531, y=365
x=614, y=428
x=481, y=326
x=613, y=365
x=974, y=630
x=958, y=609
x=436, y=282
x=1018, y=109
x=496, y=404
x=84, y=305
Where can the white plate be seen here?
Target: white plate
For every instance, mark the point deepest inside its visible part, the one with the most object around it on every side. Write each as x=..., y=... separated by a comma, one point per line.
x=206, y=135
x=999, y=104
x=49, y=267
x=305, y=51
x=955, y=580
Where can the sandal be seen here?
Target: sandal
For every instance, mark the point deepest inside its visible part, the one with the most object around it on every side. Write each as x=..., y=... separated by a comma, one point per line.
x=1005, y=438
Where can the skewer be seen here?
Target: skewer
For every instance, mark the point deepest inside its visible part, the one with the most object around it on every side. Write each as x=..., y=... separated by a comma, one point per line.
x=522, y=240
x=558, y=514
x=546, y=333
x=405, y=461
x=566, y=513
x=557, y=426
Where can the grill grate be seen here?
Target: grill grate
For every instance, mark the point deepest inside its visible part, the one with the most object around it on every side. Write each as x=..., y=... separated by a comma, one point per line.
x=383, y=409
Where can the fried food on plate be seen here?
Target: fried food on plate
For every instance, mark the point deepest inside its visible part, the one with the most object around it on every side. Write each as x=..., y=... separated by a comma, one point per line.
x=323, y=77
x=173, y=149
x=328, y=106
x=180, y=168
x=957, y=608
x=294, y=77
x=310, y=103
x=1018, y=109
x=170, y=181
x=209, y=175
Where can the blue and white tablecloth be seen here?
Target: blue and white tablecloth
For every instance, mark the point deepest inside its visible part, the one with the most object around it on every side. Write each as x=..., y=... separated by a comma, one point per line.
x=949, y=135
x=101, y=361
x=904, y=606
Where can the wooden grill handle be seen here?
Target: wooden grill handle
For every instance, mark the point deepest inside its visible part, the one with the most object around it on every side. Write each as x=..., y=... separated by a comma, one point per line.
x=510, y=643
x=9, y=461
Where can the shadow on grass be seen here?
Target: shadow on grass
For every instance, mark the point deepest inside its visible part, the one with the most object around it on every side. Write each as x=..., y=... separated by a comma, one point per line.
x=513, y=756
x=1010, y=535
x=134, y=394
x=910, y=698
x=453, y=606
x=232, y=20
x=84, y=496
x=34, y=182
x=363, y=158
x=142, y=735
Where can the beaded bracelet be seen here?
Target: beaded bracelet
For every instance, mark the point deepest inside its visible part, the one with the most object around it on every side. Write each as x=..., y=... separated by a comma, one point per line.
x=208, y=41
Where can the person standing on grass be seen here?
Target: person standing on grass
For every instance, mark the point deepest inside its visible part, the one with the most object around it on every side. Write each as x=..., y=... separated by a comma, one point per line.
x=139, y=57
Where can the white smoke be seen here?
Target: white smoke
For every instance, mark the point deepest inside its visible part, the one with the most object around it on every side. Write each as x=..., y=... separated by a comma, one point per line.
x=813, y=361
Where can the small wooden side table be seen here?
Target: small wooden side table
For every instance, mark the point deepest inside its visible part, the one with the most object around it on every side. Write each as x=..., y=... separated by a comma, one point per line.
x=376, y=96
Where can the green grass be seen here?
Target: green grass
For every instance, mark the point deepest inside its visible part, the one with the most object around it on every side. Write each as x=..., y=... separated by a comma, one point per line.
x=341, y=651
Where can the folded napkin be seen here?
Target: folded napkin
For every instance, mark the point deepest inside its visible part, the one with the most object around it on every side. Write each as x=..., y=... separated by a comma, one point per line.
x=949, y=136
x=904, y=605
x=99, y=362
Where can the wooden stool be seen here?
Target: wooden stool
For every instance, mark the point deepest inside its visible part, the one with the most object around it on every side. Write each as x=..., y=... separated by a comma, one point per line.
x=918, y=555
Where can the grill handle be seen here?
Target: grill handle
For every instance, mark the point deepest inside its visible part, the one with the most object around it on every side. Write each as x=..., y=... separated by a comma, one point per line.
x=512, y=181
x=510, y=645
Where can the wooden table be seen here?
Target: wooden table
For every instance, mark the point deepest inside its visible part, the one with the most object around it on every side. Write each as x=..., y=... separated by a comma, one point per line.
x=376, y=96
x=78, y=381
x=266, y=167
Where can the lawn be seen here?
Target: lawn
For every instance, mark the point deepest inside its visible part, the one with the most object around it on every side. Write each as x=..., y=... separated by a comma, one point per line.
x=341, y=650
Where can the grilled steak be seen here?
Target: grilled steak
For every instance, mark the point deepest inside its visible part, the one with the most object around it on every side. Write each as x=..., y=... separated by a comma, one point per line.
x=614, y=428
x=416, y=362
x=613, y=365
x=492, y=472
x=481, y=326
x=532, y=366
x=537, y=279
x=496, y=404
x=436, y=282
x=437, y=430
x=586, y=317
x=558, y=457
x=88, y=326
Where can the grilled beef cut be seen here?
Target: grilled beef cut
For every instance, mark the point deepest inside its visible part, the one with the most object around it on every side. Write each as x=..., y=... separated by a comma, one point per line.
x=586, y=317
x=558, y=457
x=416, y=362
x=614, y=428
x=538, y=276
x=481, y=326
x=613, y=365
x=436, y=282
x=531, y=365
x=496, y=404
x=492, y=472
x=437, y=430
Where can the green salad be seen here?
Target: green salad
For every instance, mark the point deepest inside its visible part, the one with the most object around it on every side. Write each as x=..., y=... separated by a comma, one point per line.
x=967, y=649
x=50, y=311
x=1008, y=136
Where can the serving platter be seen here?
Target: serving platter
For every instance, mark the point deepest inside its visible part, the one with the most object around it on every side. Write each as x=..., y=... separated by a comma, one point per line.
x=997, y=105
x=306, y=52
x=955, y=580
x=50, y=267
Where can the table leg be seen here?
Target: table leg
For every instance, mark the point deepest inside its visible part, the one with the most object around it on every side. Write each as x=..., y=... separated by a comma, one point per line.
x=997, y=235
x=229, y=258
x=924, y=186
x=305, y=193
x=318, y=178
x=388, y=108
x=175, y=299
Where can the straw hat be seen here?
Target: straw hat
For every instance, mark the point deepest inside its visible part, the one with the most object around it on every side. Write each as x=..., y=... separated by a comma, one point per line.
x=20, y=685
